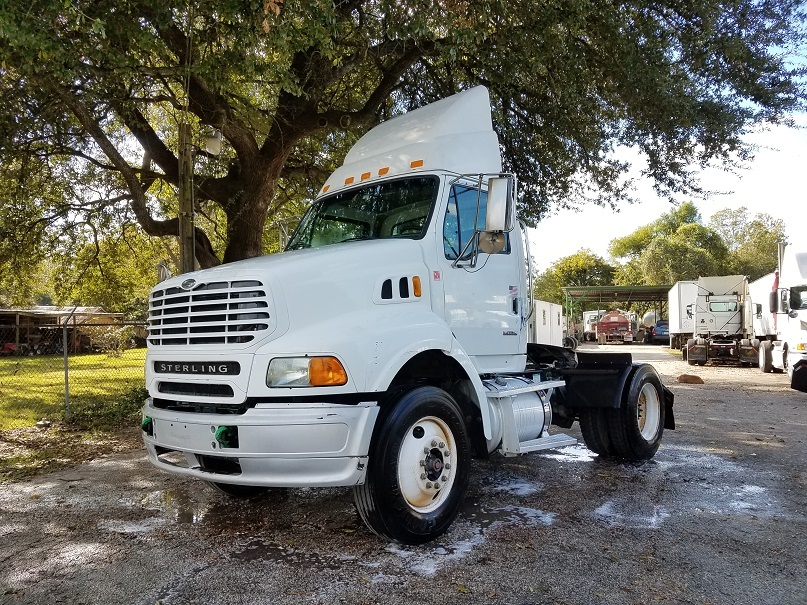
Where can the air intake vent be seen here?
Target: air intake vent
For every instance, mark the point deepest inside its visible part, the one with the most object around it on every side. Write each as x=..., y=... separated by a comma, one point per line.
x=216, y=313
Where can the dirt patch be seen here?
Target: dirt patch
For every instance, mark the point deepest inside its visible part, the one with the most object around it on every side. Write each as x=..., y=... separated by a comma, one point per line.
x=31, y=451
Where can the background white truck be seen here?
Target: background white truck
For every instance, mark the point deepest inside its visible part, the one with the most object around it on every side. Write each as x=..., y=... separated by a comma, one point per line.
x=590, y=319
x=388, y=345
x=723, y=327
x=680, y=299
x=788, y=303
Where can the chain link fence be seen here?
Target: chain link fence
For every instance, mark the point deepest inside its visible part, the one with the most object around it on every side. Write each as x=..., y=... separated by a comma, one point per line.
x=86, y=368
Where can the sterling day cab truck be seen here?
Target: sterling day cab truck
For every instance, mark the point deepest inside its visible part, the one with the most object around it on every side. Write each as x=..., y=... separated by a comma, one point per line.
x=387, y=345
x=788, y=303
x=723, y=327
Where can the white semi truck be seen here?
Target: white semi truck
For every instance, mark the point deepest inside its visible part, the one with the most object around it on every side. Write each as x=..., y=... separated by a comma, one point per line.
x=590, y=319
x=788, y=303
x=723, y=327
x=387, y=345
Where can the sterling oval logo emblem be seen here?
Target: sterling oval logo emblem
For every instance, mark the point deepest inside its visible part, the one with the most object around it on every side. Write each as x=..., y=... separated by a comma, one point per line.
x=188, y=284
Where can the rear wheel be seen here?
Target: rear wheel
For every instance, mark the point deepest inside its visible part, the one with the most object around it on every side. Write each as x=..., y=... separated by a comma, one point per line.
x=690, y=342
x=594, y=427
x=417, y=471
x=637, y=426
x=765, y=357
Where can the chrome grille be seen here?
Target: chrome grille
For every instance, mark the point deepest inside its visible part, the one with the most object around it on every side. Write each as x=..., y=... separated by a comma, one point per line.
x=216, y=313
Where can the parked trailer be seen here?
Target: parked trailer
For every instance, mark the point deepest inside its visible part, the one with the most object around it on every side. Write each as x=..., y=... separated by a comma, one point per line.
x=762, y=317
x=388, y=345
x=548, y=324
x=680, y=299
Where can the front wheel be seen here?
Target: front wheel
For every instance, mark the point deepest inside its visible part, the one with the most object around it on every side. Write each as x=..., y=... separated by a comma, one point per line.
x=765, y=357
x=417, y=471
x=637, y=426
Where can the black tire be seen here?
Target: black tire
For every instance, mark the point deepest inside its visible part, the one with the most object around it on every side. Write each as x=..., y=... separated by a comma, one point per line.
x=398, y=500
x=690, y=342
x=241, y=492
x=765, y=357
x=636, y=428
x=594, y=427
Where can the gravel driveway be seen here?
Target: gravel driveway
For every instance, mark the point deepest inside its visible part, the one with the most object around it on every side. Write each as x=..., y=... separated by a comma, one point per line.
x=718, y=516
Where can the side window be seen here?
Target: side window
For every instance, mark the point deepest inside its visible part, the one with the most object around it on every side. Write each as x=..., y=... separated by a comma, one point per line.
x=460, y=221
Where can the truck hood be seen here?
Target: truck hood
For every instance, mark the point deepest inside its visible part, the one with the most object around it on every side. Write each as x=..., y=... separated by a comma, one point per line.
x=241, y=305
x=354, y=257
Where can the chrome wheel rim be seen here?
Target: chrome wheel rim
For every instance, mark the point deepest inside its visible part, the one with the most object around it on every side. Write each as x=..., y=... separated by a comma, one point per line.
x=427, y=464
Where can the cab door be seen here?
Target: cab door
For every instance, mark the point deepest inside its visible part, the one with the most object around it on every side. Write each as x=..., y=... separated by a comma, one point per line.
x=484, y=300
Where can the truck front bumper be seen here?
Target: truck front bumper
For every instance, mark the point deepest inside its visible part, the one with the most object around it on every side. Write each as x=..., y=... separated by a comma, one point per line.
x=279, y=445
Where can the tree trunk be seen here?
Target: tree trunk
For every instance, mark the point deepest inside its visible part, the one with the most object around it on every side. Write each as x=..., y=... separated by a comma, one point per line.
x=247, y=218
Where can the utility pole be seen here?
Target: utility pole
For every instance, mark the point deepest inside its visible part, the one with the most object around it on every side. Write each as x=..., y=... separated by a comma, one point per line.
x=187, y=256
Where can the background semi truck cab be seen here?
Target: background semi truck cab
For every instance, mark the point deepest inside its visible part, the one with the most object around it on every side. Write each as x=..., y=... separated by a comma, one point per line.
x=388, y=344
x=788, y=302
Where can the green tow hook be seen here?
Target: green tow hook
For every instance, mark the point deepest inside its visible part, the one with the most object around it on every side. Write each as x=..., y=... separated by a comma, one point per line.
x=147, y=425
x=227, y=436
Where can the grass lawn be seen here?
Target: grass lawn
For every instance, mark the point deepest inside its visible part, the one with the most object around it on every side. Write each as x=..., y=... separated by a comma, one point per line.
x=32, y=388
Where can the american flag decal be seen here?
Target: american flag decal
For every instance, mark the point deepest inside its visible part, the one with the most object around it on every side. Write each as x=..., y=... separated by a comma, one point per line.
x=513, y=291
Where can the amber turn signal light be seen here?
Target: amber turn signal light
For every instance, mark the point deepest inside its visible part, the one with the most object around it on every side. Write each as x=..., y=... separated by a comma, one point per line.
x=326, y=372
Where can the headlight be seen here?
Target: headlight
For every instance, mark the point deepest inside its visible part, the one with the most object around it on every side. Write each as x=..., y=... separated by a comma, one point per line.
x=305, y=372
x=802, y=346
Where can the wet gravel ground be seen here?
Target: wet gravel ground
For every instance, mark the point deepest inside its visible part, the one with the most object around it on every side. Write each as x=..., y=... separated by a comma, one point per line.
x=718, y=516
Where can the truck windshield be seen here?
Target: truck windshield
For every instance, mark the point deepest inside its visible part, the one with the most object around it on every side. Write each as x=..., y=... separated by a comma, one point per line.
x=723, y=306
x=392, y=209
x=798, y=297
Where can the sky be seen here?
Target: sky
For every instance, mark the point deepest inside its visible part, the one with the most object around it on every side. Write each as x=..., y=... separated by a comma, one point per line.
x=775, y=183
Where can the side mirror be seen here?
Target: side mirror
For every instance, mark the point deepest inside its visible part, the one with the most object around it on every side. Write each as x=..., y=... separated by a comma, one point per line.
x=784, y=301
x=689, y=311
x=499, y=212
x=758, y=310
x=773, y=301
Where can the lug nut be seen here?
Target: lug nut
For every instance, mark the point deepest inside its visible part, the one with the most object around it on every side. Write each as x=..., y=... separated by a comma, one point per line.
x=444, y=478
x=442, y=444
x=422, y=463
x=425, y=450
x=434, y=442
x=446, y=453
x=448, y=465
x=422, y=475
x=428, y=485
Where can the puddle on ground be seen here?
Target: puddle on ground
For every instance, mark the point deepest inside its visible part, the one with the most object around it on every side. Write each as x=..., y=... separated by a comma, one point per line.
x=618, y=516
x=517, y=487
x=132, y=527
x=486, y=517
x=270, y=552
x=429, y=559
x=570, y=453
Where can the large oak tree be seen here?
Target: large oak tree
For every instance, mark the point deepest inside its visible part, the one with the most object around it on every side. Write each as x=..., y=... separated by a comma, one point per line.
x=92, y=92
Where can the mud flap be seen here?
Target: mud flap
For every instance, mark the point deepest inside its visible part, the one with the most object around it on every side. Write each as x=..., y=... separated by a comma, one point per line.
x=696, y=352
x=669, y=419
x=799, y=380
